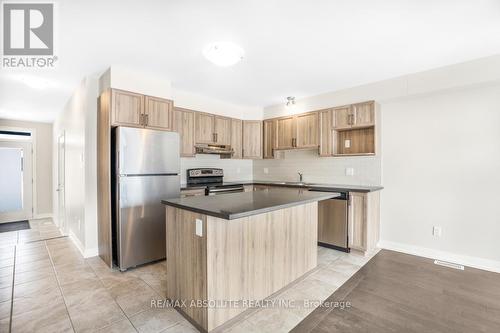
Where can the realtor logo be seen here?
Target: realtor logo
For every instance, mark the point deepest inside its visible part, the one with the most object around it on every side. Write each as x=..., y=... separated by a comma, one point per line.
x=28, y=29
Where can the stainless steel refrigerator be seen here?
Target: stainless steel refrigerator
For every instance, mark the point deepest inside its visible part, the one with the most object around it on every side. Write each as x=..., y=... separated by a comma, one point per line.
x=146, y=168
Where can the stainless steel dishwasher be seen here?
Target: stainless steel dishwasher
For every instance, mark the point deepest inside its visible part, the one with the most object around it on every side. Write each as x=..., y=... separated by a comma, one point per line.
x=333, y=222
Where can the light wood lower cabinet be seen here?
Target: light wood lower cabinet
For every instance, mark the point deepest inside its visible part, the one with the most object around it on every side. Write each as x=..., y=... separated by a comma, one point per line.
x=252, y=139
x=364, y=221
x=192, y=192
x=183, y=123
x=237, y=138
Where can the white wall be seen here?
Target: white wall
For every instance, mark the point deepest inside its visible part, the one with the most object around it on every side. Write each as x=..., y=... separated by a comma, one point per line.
x=441, y=167
x=78, y=123
x=43, y=134
x=440, y=159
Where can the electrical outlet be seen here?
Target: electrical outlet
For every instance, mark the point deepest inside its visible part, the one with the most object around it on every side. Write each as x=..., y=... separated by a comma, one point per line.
x=79, y=224
x=266, y=170
x=349, y=171
x=437, y=231
x=199, y=227
x=238, y=170
x=347, y=143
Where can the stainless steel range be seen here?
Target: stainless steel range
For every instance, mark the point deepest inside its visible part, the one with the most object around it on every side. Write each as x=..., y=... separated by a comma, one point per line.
x=213, y=179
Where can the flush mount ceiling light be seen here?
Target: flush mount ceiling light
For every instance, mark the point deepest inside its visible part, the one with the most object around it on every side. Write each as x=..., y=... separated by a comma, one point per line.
x=290, y=100
x=223, y=54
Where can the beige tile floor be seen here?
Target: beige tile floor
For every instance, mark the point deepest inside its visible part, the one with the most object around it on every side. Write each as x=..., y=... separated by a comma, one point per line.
x=47, y=286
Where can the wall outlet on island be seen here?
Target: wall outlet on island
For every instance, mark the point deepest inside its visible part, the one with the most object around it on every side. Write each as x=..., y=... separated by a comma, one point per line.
x=437, y=231
x=349, y=171
x=238, y=170
x=266, y=171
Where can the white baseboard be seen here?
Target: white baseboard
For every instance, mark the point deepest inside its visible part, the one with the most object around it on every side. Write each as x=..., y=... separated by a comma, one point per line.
x=474, y=262
x=43, y=216
x=86, y=253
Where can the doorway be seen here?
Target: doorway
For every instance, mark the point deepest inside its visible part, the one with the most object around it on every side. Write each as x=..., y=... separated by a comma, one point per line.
x=16, y=177
x=61, y=198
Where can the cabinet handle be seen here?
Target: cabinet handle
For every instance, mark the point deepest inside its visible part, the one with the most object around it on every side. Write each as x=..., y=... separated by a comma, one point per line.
x=141, y=120
x=146, y=120
x=216, y=137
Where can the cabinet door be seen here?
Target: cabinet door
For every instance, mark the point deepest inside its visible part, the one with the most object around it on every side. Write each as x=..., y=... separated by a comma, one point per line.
x=183, y=123
x=307, y=130
x=364, y=114
x=252, y=139
x=269, y=138
x=357, y=221
x=325, y=132
x=222, y=130
x=342, y=117
x=204, y=128
x=237, y=137
x=127, y=107
x=286, y=130
x=158, y=113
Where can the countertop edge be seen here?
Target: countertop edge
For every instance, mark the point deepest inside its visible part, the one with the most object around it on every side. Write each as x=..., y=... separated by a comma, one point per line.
x=325, y=187
x=249, y=213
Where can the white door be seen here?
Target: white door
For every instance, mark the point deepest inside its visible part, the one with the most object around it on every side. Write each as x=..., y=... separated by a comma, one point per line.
x=16, y=181
x=61, y=202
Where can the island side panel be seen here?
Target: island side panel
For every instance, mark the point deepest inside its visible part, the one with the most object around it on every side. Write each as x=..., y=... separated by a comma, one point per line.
x=253, y=257
x=186, y=261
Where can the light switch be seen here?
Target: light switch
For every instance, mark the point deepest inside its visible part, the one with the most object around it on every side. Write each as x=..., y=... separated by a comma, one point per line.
x=349, y=171
x=347, y=143
x=199, y=227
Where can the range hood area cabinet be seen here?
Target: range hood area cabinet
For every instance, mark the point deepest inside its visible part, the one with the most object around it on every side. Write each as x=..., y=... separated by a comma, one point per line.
x=136, y=110
x=212, y=129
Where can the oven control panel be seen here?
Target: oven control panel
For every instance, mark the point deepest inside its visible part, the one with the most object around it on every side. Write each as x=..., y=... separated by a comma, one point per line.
x=205, y=172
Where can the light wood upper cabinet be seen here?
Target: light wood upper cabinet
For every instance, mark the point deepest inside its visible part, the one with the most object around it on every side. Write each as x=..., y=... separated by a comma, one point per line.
x=342, y=117
x=307, y=130
x=158, y=113
x=252, y=139
x=204, y=128
x=222, y=130
x=127, y=108
x=363, y=114
x=237, y=137
x=183, y=123
x=325, y=132
x=286, y=131
x=269, y=138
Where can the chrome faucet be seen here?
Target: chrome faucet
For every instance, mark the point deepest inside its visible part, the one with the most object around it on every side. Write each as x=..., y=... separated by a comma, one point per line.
x=300, y=176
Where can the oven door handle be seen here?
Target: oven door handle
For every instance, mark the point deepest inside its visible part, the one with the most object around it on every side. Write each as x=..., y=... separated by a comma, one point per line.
x=236, y=189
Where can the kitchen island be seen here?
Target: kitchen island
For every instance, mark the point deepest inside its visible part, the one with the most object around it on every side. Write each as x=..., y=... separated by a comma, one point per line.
x=226, y=251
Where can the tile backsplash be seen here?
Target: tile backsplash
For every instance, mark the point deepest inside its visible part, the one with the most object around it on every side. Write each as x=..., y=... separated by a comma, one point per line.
x=234, y=170
x=366, y=170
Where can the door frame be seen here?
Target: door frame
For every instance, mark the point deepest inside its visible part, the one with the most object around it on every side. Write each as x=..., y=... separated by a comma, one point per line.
x=32, y=131
x=63, y=226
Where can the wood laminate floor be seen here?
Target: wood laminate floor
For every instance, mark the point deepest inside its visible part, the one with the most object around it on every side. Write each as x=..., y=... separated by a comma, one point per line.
x=395, y=292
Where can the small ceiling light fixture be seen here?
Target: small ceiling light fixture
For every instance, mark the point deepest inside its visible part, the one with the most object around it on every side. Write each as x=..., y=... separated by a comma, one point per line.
x=290, y=100
x=223, y=54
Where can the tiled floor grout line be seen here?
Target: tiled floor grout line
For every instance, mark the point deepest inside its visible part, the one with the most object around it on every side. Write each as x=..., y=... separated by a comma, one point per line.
x=12, y=295
x=100, y=280
x=59, y=286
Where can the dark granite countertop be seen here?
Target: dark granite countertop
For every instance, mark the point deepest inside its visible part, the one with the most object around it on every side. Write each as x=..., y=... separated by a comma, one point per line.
x=242, y=204
x=314, y=186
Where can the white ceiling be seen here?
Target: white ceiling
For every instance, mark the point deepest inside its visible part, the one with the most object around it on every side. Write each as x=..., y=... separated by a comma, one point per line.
x=292, y=47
